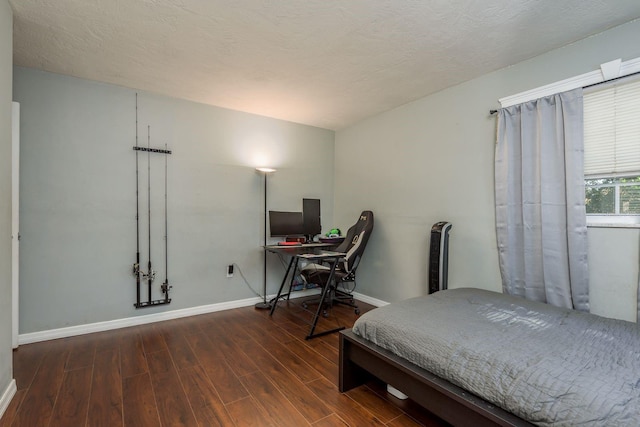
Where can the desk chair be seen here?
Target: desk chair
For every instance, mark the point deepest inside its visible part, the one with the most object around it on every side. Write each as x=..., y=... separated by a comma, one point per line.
x=353, y=245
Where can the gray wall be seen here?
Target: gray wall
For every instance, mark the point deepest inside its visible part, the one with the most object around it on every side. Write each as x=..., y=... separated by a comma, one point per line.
x=77, y=206
x=432, y=160
x=6, y=58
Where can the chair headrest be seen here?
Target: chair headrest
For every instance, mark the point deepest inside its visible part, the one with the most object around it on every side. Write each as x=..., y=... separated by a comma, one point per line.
x=356, y=239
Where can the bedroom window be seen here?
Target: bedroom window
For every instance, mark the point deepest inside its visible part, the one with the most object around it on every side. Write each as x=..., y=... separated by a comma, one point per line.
x=612, y=154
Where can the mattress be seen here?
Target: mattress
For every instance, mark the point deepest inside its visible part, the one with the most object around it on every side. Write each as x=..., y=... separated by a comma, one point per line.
x=547, y=365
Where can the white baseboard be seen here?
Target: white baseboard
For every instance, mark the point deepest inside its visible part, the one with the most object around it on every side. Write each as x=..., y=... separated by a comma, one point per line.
x=108, y=325
x=8, y=394
x=369, y=300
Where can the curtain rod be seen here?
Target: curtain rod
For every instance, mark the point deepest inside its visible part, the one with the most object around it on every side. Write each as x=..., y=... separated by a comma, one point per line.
x=492, y=112
x=611, y=80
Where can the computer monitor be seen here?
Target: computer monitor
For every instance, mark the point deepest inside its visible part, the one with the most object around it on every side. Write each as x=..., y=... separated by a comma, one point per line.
x=311, y=217
x=282, y=224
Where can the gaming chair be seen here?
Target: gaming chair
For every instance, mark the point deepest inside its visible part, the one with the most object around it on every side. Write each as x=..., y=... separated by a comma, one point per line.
x=353, y=246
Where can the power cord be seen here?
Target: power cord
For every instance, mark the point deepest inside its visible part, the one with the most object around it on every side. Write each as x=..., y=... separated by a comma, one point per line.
x=249, y=284
x=246, y=281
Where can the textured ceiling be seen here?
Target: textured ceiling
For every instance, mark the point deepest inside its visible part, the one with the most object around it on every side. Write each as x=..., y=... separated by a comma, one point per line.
x=327, y=63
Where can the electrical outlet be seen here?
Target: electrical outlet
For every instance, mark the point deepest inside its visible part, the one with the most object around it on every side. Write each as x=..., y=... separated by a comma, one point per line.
x=230, y=270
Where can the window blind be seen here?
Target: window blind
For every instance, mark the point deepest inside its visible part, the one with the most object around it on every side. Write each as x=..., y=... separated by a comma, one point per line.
x=612, y=130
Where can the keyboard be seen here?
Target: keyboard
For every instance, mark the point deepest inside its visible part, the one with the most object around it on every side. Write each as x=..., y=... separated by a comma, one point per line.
x=289, y=244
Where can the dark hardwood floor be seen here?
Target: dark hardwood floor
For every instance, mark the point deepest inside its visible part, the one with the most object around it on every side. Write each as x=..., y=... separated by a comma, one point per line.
x=236, y=367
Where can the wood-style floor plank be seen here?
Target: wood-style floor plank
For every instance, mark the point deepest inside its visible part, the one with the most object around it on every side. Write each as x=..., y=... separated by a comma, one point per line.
x=222, y=377
x=326, y=368
x=282, y=353
x=132, y=355
x=109, y=340
x=328, y=351
x=403, y=421
x=245, y=412
x=12, y=409
x=105, y=403
x=181, y=353
x=238, y=367
x=263, y=324
x=173, y=405
x=274, y=403
x=152, y=339
x=331, y=421
x=203, y=397
x=72, y=403
x=178, y=346
x=345, y=407
x=26, y=361
x=294, y=390
x=81, y=353
x=37, y=406
x=139, y=403
x=239, y=362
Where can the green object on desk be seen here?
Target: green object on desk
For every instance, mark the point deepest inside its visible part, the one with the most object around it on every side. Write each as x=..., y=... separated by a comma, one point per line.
x=334, y=232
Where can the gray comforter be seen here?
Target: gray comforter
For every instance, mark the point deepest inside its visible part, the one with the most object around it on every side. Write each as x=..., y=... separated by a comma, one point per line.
x=550, y=366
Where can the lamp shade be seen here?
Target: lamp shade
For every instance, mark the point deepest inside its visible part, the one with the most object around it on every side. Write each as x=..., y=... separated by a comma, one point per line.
x=265, y=170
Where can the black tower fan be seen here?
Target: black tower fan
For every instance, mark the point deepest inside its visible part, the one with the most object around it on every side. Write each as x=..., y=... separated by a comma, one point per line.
x=439, y=256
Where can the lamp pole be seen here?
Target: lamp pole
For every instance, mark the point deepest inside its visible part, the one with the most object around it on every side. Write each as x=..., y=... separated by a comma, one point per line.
x=264, y=304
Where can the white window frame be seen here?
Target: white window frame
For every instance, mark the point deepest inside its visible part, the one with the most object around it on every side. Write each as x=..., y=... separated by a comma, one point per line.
x=613, y=220
x=609, y=70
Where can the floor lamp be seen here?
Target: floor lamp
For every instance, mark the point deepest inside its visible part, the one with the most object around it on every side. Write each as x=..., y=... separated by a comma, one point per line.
x=264, y=304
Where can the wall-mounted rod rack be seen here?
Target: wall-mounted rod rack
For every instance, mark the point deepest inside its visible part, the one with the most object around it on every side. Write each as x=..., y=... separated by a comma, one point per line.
x=152, y=150
x=151, y=303
x=150, y=275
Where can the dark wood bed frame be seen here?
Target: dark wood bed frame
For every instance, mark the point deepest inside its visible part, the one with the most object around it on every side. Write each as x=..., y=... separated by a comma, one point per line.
x=361, y=360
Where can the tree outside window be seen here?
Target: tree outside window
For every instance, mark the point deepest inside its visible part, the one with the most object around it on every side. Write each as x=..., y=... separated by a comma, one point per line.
x=613, y=196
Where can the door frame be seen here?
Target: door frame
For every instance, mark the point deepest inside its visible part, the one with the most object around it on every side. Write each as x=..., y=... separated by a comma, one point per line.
x=15, y=220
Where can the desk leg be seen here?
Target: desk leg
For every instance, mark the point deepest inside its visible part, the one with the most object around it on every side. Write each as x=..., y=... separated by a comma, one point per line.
x=321, y=303
x=284, y=280
x=293, y=277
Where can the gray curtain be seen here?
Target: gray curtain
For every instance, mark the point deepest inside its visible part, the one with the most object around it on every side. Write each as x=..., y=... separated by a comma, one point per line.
x=540, y=211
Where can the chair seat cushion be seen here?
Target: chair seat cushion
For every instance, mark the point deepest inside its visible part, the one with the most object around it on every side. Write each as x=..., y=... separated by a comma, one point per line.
x=312, y=272
x=311, y=268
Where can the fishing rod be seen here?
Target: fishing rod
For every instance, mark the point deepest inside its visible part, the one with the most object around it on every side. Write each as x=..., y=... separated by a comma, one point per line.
x=136, y=266
x=165, y=286
x=151, y=273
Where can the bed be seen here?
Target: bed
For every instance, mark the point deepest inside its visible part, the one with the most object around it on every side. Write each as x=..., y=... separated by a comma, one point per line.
x=476, y=357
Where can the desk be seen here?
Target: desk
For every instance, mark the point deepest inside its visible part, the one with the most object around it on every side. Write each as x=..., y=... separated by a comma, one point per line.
x=293, y=252
x=309, y=252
